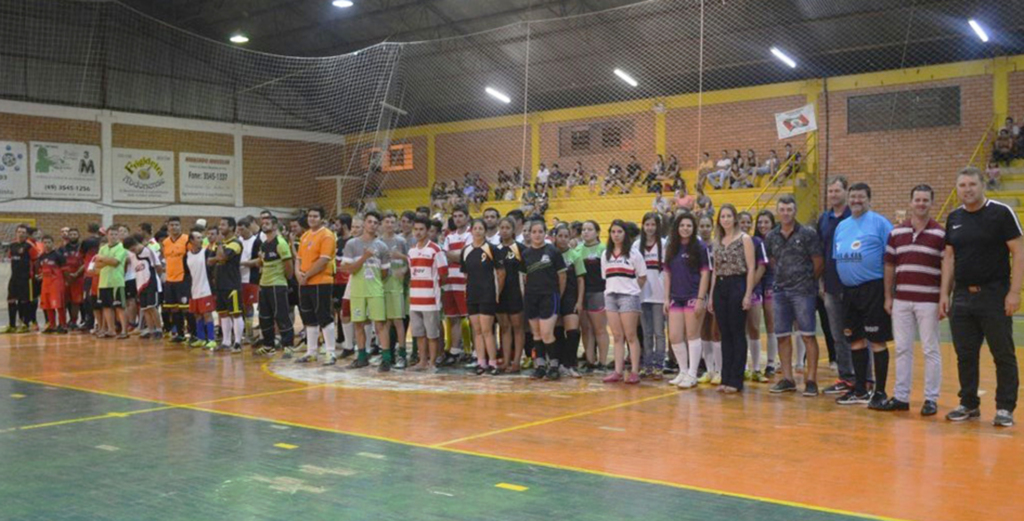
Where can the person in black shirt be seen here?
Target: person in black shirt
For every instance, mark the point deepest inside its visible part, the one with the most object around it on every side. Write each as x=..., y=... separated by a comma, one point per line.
x=228, y=282
x=510, y=300
x=484, y=278
x=981, y=237
x=567, y=333
x=545, y=282
x=20, y=288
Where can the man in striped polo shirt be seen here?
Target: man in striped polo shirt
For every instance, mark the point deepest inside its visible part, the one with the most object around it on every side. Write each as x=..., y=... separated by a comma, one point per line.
x=428, y=266
x=913, y=268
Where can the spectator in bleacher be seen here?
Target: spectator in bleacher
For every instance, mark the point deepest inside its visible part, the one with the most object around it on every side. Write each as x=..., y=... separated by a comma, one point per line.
x=437, y=195
x=704, y=169
x=660, y=204
x=454, y=194
x=750, y=163
x=528, y=199
x=791, y=164
x=482, y=189
x=499, y=191
x=592, y=182
x=705, y=207
x=575, y=178
x=992, y=172
x=770, y=166
x=540, y=206
x=683, y=200
x=672, y=169
x=722, y=171
x=1002, y=147
x=1011, y=127
x=540, y=183
x=634, y=167
x=614, y=179
x=517, y=176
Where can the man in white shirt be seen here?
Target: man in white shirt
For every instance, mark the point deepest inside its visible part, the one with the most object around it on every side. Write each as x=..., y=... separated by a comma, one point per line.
x=541, y=182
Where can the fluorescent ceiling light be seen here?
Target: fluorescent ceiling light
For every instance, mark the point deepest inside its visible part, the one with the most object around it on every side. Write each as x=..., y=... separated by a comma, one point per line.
x=785, y=59
x=239, y=38
x=498, y=94
x=625, y=77
x=978, y=30
x=342, y=3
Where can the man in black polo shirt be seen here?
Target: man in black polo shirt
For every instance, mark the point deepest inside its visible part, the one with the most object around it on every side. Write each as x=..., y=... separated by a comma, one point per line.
x=981, y=236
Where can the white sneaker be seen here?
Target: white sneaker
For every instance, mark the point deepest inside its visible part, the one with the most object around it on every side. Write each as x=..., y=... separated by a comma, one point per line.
x=687, y=382
x=677, y=379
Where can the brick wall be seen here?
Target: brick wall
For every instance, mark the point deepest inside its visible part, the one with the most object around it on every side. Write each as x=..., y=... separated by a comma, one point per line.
x=283, y=173
x=642, y=145
x=893, y=162
x=51, y=223
x=484, y=152
x=1017, y=96
x=15, y=127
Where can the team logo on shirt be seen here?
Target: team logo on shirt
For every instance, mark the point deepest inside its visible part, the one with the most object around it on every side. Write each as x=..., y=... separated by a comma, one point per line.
x=855, y=245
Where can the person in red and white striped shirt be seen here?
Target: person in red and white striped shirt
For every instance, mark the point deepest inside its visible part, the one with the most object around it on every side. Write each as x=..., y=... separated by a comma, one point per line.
x=454, y=298
x=428, y=266
x=913, y=268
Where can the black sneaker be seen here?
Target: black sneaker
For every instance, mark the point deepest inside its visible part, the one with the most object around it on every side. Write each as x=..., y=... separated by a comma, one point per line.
x=358, y=363
x=177, y=339
x=893, y=404
x=236, y=348
x=493, y=371
x=840, y=387
x=810, y=388
x=852, y=398
x=962, y=413
x=448, y=360
x=878, y=400
x=769, y=371
x=930, y=408
x=479, y=370
x=588, y=368
x=783, y=386
x=345, y=353
x=538, y=373
x=1004, y=418
x=305, y=359
x=384, y=367
x=553, y=373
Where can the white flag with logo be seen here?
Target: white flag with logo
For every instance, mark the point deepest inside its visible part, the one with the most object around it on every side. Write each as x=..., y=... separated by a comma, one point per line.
x=796, y=122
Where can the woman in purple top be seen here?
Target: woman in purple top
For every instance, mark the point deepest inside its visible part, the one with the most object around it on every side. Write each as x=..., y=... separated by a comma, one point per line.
x=687, y=275
x=765, y=224
x=753, y=373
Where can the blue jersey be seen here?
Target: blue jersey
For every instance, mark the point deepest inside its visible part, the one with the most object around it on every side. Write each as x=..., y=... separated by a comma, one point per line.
x=859, y=248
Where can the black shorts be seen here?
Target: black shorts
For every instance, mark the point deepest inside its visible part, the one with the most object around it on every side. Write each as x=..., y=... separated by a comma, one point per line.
x=482, y=308
x=229, y=301
x=540, y=306
x=567, y=306
x=130, y=289
x=112, y=297
x=510, y=302
x=339, y=294
x=315, y=304
x=148, y=297
x=864, y=313
x=19, y=290
x=176, y=295
x=293, y=293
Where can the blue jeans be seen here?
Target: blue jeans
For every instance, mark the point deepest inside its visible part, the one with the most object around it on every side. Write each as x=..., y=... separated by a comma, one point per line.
x=795, y=307
x=844, y=358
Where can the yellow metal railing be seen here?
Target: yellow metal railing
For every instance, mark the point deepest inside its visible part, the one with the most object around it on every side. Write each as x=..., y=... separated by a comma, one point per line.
x=755, y=206
x=978, y=151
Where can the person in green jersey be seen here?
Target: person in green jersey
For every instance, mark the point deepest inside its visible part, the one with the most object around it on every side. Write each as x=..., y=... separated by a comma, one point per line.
x=275, y=262
x=394, y=286
x=595, y=324
x=110, y=261
x=368, y=259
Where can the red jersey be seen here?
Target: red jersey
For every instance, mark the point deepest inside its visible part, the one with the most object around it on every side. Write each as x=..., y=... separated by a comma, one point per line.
x=51, y=266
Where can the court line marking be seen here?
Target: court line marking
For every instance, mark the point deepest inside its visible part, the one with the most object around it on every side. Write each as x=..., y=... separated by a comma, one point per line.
x=556, y=419
x=681, y=486
x=512, y=487
x=107, y=416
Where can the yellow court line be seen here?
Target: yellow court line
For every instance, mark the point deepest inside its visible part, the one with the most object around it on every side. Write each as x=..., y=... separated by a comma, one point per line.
x=106, y=416
x=257, y=395
x=556, y=419
x=109, y=370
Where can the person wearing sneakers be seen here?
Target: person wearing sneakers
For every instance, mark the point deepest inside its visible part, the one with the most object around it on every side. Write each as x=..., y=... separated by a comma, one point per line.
x=913, y=268
x=652, y=308
x=394, y=286
x=731, y=288
x=981, y=236
x=544, y=267
x=454, y=296
x=228, y=284
x=51, y=299
x=687, y=278
x=20, y=289
x=201, y=301
x=794, y=252
x=757, y=298
x=275, y=262
x=368, y=260
x=110, y=262
x=830, y=287
x=485, y=276
x=428, y=267
x=567, y=331
x=595, y=330
x=176, y=287
x=315, y=276
x=625, y=274
x=859, y=249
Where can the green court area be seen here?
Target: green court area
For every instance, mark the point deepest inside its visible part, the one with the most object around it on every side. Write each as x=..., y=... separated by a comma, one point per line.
x=177, y=463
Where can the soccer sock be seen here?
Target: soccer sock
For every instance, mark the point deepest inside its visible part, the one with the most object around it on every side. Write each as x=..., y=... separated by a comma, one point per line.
x=12, y=314
x=202, y=329
x=211, y=333
x=754, y=347
x=349, y=332
x=552, y=353
x=178, y=320
x=330, y=337
x=386, y=356
x=538, y=353
x=682, y=358
x=225, y=330
x=881, y=369
x=706, y=353
x=368, y=329
x=191, y=319
x=28, y=315
x=62, y=318
x=716, y=349
x=467, y=335
x=50, y=318
x=312, y=339
x=559, y=346
x=773, y=348
x=239, y=325
x=694, y=347
x=572, y=348
x=860, y=369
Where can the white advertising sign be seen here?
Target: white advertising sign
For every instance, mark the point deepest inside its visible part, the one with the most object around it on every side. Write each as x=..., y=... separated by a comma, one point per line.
x=143, y=175
x=13, y=170
x=206, y=178
x=65, y=171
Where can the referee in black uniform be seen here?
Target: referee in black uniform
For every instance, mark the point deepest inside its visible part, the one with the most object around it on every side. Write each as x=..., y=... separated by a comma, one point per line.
x=981, y=236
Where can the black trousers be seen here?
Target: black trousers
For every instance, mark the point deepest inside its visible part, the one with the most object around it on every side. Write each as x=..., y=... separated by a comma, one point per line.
x=732, y=324
x=978, y=316
x=274, y=308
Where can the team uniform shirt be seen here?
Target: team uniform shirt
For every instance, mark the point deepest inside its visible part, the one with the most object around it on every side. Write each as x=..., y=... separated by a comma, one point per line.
x=195, y=263
x=395, y=283
x=73, y=259
x=129, y=266
x=917, y=257
x=113, y=276
x=22, y=255
x=228, y=275
x=511, y=259
x=340, y=276
x=51, y=267
x=145, y=276
x=174, y=255
x=591, y=255
x=574, y=268
x=250, y=251
x=313, y=246
x=428, y=266
x=478, y=264
x=979, y=239
x=859, y=248
x=686, y=280
x=455, y=241
x=542, y=266
x=369, y=280
x=760, y=259
x=654, y=257
x=621, y=272
x=274, y=254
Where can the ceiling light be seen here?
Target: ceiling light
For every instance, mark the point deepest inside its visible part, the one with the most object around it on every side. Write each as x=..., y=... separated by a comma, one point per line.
x=499, y=95
x=626, y=77
x=978, y=30
x=785, y=58
x=342, y=3
x=239, y=38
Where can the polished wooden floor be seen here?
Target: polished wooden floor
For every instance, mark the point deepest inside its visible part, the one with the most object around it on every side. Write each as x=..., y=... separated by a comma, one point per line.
x=697, y=454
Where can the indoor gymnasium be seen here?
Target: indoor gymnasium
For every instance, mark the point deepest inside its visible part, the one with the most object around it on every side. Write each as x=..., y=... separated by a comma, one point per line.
x=511, y=259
